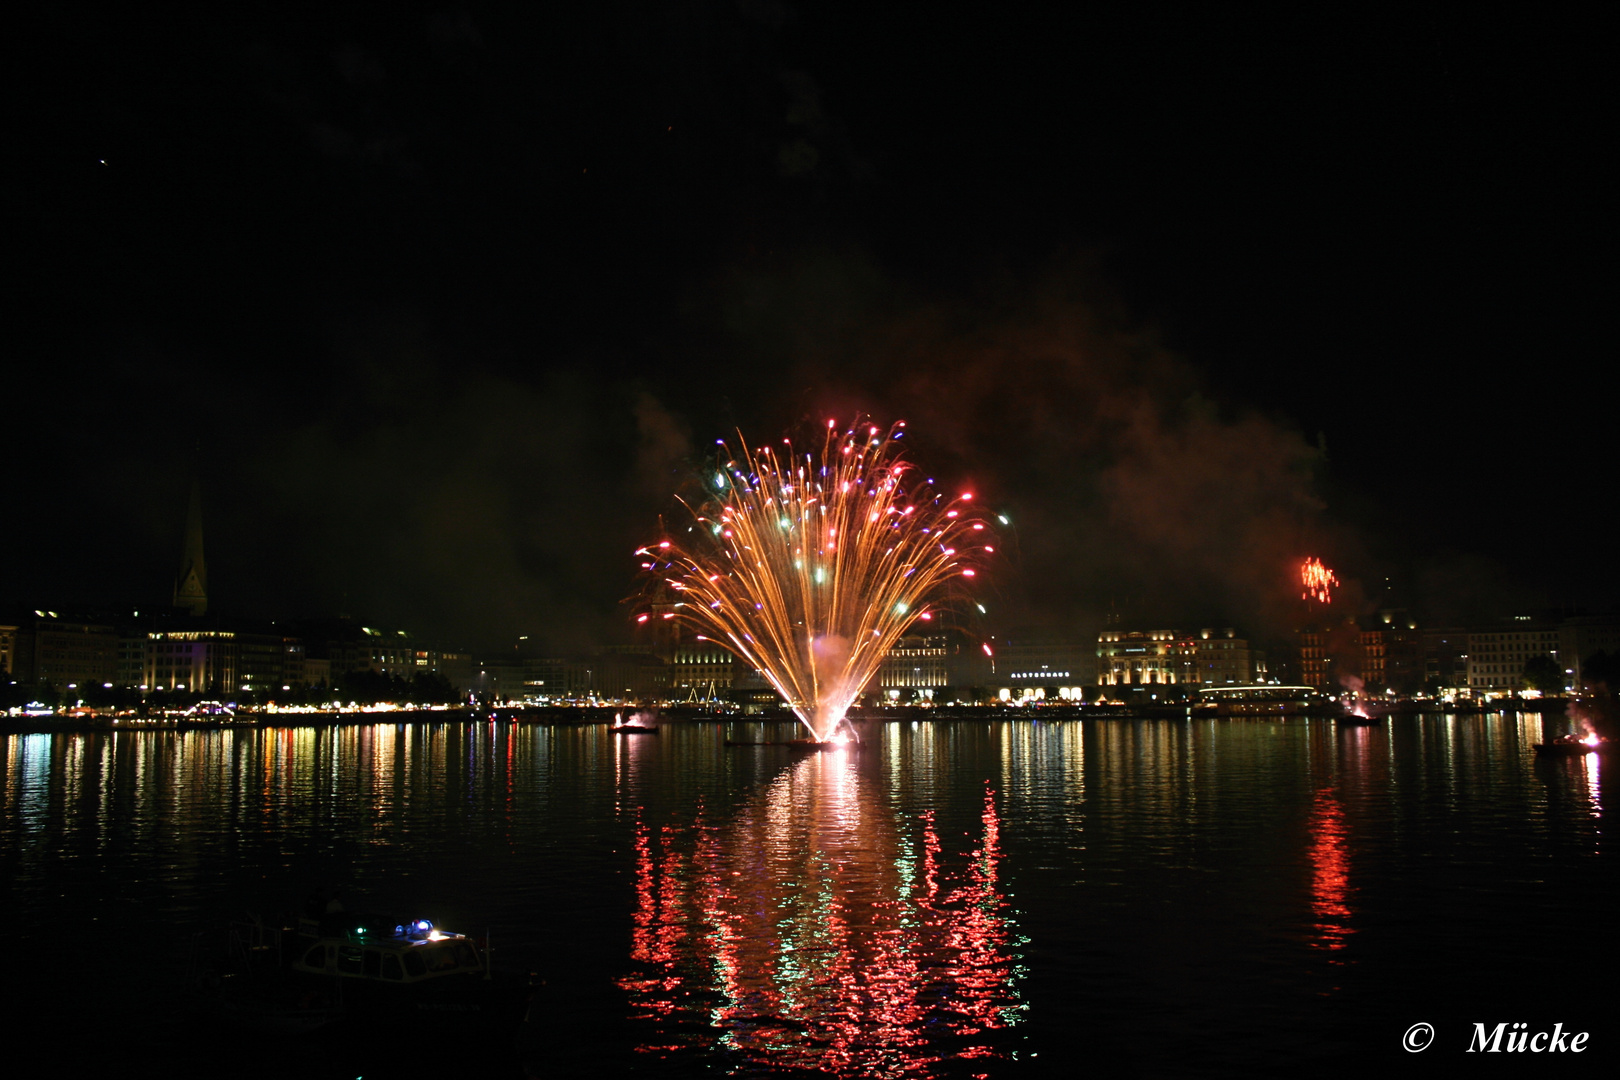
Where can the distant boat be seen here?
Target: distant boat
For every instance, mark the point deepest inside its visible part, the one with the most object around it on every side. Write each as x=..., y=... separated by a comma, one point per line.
x=1571, y=746
x=637, y=725
x=350, y=967
x=1261, y=700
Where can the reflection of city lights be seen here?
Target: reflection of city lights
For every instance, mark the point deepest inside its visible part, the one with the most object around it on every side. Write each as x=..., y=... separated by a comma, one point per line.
x=818, y=932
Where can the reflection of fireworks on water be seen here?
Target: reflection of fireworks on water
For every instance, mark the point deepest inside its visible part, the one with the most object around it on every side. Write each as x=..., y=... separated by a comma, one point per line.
x=819, y=932
x=811, y=567
x=1330, y=870
x=1318, y=581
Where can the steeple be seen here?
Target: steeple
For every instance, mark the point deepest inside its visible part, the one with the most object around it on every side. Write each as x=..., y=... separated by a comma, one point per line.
x=191, y=588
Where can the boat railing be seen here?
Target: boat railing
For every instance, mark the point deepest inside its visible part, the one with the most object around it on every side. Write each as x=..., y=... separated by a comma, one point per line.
x=254, y=943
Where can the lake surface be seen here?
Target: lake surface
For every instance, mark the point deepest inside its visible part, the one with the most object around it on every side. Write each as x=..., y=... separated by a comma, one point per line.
x=961, y=898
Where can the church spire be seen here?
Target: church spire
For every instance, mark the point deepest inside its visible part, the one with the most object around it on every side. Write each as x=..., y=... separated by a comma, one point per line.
x=191, y=588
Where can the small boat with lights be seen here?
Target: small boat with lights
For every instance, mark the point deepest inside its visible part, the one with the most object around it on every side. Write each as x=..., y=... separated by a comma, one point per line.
x=1571, y=746
x=357, y=967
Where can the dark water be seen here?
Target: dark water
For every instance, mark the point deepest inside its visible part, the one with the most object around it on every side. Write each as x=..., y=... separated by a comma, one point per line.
x=964, y=899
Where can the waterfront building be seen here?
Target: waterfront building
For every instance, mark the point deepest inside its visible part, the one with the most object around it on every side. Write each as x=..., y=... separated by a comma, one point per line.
x=1034, y=659
x=1171, y=658
x=198, y=661
x=1496, y=656
x=295, y=664
x=1401, y=649
x=227, y=659
x=698, y=668
x=1143, y=658
x=629, y=676
x=506, y=680
x=317, y=671
x=1222, y=658
x=915, y=663
x=132, y=643
x=64, y=651
x=8, y=650
x=455, y=668
x=554, y=677
x=1581, y=637
x=348, y=646
x=261, y=663
x=1375, y=654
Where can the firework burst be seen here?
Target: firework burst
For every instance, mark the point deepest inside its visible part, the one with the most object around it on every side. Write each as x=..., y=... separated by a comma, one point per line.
x=810, y=567
x=1318, y=581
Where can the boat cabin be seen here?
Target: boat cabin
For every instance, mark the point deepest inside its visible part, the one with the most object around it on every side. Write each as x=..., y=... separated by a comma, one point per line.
x=404, y=953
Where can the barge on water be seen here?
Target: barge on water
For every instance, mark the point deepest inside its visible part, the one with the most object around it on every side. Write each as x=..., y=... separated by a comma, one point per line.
x=1262, y=701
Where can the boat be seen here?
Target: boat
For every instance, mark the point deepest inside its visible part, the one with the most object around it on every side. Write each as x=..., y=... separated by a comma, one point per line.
x=363, y=968
x=1570, y=746
x=1259, y=701
x=1359, y=719
x=640, y=723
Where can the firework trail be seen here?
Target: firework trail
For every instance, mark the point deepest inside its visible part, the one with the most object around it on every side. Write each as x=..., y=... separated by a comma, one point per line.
x=1318, y=581
x=811, y=567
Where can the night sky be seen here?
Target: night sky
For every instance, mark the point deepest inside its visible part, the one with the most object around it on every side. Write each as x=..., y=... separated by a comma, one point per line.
x=442, y=304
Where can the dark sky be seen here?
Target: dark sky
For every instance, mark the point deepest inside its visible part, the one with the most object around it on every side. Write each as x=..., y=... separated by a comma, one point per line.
x=443, y=303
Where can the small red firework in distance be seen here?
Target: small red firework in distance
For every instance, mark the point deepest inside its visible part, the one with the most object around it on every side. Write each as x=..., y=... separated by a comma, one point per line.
x=1318, y=581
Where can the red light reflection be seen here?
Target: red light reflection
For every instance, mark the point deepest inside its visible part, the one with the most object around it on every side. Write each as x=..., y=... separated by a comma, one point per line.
x=1330, y=871
x=819, y=930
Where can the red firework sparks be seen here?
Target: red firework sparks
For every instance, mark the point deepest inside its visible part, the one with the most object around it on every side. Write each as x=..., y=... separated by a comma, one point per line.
x=1318, y=580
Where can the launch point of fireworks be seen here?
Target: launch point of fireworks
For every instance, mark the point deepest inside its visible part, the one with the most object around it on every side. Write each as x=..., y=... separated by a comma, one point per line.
x=810, y=567
x=1318, y=580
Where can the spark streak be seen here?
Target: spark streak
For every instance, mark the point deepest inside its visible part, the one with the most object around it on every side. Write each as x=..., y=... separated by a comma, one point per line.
x=810, y=568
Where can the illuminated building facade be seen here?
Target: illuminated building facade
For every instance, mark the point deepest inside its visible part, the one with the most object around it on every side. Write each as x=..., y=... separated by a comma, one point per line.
x=225, y=661
x=699, y=668
x=1223, y=659
x=198, y=661
x=916, y=663
x=1170, y=658
x=1496, y=657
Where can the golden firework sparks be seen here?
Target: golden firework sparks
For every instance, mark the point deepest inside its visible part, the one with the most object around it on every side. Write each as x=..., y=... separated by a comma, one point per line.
x=810, y=567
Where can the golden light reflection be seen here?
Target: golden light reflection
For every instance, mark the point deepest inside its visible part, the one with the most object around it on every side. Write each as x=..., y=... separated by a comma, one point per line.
x=818, y=930
x=1330, y=871
x=1591, y=766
